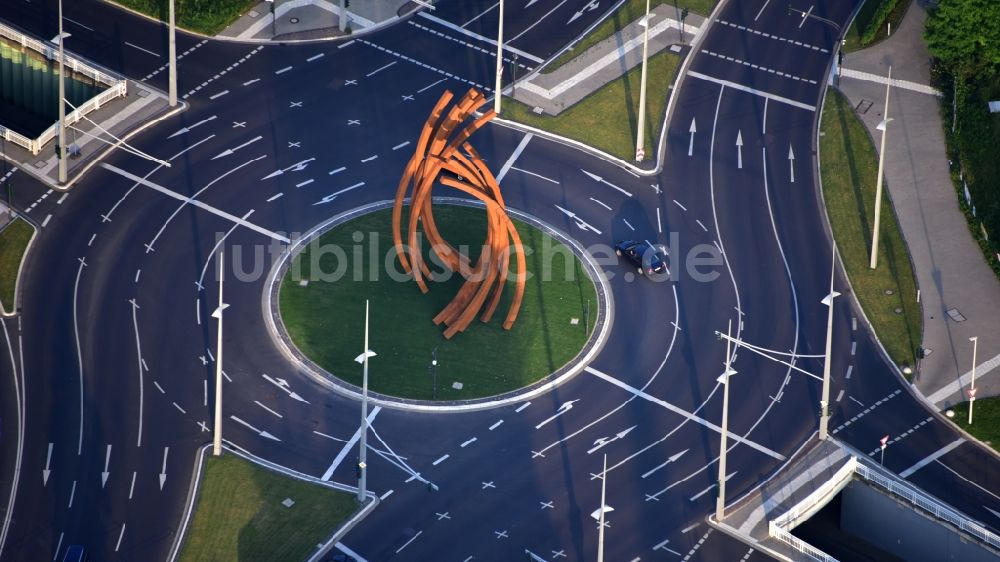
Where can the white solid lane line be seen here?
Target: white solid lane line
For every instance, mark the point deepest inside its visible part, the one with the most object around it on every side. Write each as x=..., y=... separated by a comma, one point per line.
x=684, y=413
x=932, y=457
x=147, y=51
x=478, y=37
x=514, y=156
x=750, y=90
x=196, y=203
x=347, y=446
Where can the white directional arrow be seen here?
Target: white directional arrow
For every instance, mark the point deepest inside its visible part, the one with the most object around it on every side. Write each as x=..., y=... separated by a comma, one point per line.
x=297, y=167
x=567, y=406
x=597, y=512
x=188, y=129
x=692, y=129
x=588, y=8
x=579, y=222
x=46, y=472
x=163, y=471
x=283, y=385
x=672, y=458
x=334, y=195
x=599, y=443
x=791, y=162
x=596, y=177
x=107, y=460
x=992, y=511
x=263, y=434
x=229, y=151
x=739, y=149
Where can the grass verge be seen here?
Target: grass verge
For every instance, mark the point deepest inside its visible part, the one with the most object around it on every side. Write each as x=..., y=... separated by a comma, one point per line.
x=630, y=11
x=985, y=420
x=240, y=516
x=207, y=17
x=13, y=242
x=606, y=119
x=849, y=166
x=325, y=318
x=867, y=12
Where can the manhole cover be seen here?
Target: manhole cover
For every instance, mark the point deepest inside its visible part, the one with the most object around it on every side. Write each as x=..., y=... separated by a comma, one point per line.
x=898, y=310
x=253, y=13
x=888, y=291
x=955, y=315
x=293, y=20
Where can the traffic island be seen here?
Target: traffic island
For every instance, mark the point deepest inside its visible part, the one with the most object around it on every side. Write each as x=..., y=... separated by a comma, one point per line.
x=324, y=286
x=247, y=512
x=848, y=170
x=14, y=240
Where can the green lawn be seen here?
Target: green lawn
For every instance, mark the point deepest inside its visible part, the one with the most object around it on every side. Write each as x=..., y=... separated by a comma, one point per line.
x=630, y=11
x=202, y=16
x=325, y=319
x=849, y=169
x=239, y=514
x=606, y=119
x=13, y=242
x=985, y=420
x=853, y=37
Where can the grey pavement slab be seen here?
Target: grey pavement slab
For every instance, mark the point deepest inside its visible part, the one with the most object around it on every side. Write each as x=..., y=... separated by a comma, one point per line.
x=951, y=272
x=604, y=62
x=311, y=19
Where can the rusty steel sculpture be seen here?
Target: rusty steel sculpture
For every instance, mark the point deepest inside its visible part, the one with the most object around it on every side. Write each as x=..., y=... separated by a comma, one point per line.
x=443, y=146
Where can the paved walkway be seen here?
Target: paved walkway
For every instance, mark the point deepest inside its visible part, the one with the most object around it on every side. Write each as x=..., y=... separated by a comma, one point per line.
x=312, y=19
x=959, y=292
x=552, y=92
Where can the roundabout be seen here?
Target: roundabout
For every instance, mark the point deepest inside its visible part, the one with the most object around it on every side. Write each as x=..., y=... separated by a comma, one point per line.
x=323, y=281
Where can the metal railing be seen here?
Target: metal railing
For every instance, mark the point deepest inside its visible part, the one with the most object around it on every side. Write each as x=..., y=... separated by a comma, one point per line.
x=927, y=504
x=114, y=89
x=798, y=544
x=818, y=498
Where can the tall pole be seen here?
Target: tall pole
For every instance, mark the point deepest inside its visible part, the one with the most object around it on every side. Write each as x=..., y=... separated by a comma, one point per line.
x=343, y=15
x=172, y=53
x=217, y=437
x=720, y=501
x=884, y=125
x=972, y=387
x=61, y=152
x=640, y=136
x=363, y=453
x=499, y=87
x=824, y=403
x=600, y=530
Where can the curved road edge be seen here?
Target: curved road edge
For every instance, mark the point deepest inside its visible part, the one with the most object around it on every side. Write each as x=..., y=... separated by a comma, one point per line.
x=596, y=342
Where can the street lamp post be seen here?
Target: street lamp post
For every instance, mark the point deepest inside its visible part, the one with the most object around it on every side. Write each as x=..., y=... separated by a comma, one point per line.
x=640, y=136
x=824, y=403
x=881, y=166
x=434, y=374
x=972, y=386
x=217, y=437
x=363, y=442
x=600, y=521
x=61, y=149
x=172, y=53
x=499, y=86
x=720, y=501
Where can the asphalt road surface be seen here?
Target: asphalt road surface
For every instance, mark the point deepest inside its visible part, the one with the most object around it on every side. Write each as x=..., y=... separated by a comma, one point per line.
x=112, y=356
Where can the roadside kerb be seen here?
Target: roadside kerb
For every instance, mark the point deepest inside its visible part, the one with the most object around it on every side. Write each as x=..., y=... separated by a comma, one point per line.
x=24, y=258
x=199, y=468
x=602, y=325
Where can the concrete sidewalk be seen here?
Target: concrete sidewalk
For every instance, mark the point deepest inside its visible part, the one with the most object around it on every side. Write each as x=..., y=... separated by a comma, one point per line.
x=313, y=19
x=608, y=60
x=958, y=291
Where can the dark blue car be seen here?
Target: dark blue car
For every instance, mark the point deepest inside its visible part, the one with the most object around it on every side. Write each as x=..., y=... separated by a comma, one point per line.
x=642, y=255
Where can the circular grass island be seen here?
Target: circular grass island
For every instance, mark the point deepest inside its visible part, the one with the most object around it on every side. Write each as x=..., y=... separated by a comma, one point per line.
x=322, y=308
